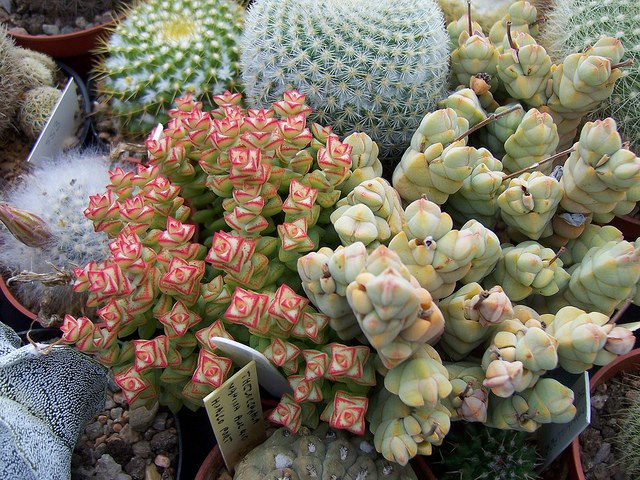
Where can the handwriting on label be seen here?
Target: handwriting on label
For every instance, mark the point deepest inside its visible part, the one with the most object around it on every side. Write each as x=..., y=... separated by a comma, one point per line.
x=235, y=414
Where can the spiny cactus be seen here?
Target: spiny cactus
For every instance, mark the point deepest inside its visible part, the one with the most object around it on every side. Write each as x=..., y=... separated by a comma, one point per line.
x=45, y=228
x=321, y=453
x=375, y=66
x=10, y=80
x=474, y=452
x=574, y=25
x=167, y=48
x=35, y=109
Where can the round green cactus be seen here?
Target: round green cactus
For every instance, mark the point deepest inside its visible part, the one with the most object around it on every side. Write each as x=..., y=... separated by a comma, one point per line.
x=574, y=25
x=375, y=66
x=36, y=108
x=166, y=48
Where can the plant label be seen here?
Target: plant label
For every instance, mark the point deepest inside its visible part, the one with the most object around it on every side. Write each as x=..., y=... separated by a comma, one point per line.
x=269, y=377
x=235, y=414
x=60, y=128
x=554, y=438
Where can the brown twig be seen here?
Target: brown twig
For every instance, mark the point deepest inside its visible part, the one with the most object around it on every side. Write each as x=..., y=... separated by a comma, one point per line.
x=491, y=118
x=537, y=164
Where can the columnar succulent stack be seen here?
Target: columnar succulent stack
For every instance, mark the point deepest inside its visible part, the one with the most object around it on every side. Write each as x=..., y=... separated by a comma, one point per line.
x=378, y=309
x=165, y=48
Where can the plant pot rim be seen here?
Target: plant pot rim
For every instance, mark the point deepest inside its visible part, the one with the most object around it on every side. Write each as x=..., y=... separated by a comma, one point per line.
x=624, y=363
x=14, y=301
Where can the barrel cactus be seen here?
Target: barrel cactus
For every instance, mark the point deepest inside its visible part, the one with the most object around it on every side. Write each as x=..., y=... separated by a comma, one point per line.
x=375, y=66
x=574, y=25
x=167, y=48
x=321, y=453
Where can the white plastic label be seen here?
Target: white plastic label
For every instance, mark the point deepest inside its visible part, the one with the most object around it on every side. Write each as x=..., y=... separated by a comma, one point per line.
x=60, y=128
x=269, y=377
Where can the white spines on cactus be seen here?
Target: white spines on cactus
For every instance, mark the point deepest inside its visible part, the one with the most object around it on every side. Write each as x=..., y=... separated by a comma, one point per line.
x=574, y=25
x=166, y=48
x=375, y=66
x=57, y=192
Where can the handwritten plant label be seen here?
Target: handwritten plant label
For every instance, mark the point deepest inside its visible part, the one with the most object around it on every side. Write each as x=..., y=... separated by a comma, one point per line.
x=235, y=414
x=554, y=438
x=61, y=126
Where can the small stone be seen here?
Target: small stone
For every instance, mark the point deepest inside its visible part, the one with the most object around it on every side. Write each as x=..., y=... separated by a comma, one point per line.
x=109, y=404
x=51, y=29
x=141, y=418
x=67, y=29
x=129, y=435
x=164, y=441
x=151, y=473
x=107, y=468
x=167, y=474
x=116, y=413
x=162, y=461
x=602, y=454
x=81, y=22
x=159, y=424
x=99, y=440
x=142, y=449
x=598, y=401
x=94, y=430
x=120, y=450
x=18, y=31
x=122, y=476
x=102, y=419
x=136, y=467
x=97, y=452
x=117, y=427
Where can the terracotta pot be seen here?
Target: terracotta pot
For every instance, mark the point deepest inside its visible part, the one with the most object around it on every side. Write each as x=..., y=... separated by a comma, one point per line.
x=214, y=463
x=629, y=226
x=76, y=48
x=624, y=363
x=29, y=315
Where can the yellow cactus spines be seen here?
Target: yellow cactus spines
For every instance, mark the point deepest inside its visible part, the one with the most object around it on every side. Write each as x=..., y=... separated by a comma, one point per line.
x=393, y=311
x=477, y=198
x=529, y=203
x=421, y=380
x=469, y=319
x=365, y=164
x=535, y=139
x=529, y=268
x=522, y=17
x=605, y=278
x=474, y=54
x=401, y=432
x=468, y=398
x=583, y=338
x=548, y=401
x=439, y=129
x=466, y=104
x=382, y=200
x=523, y=68
x=599, y=172
x=592, y=236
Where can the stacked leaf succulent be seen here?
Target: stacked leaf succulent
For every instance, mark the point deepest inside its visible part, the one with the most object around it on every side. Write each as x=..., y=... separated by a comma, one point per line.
x=370, y=66
x=574, y=25
x=164, y=49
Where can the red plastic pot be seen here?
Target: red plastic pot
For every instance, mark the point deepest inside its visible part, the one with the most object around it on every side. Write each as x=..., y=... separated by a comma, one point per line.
x=624, y=363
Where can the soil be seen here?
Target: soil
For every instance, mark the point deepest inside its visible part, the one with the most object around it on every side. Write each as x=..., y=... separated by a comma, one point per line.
x=598, y=441
x=25, y=17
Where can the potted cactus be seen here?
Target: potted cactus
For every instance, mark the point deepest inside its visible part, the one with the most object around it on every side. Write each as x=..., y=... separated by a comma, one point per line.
x=445, y=295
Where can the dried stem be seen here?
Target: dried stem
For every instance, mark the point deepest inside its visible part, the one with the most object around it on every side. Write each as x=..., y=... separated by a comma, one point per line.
x=510, y=38
x=541, y=162
x=556, y=256
x=491, y=118
x=469, y=17
x=620, y=312
x=627, y=63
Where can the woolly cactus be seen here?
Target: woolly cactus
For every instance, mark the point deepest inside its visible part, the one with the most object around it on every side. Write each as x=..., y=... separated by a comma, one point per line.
x=372, y=66
x=322, y=453
x=44, y=228
x=46, y=398
x=166, y=48
x=10, y=79
x=574, y=25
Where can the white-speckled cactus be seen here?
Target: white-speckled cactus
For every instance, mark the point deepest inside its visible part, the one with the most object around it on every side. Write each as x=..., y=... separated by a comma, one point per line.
x=46, y=398
x=375, y=66
x=167, y=48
